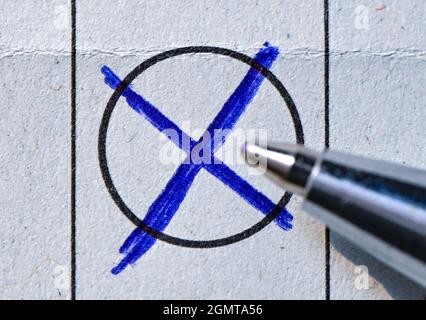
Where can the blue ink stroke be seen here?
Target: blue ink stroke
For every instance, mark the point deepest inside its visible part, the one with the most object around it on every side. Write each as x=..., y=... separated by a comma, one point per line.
x=167, y=203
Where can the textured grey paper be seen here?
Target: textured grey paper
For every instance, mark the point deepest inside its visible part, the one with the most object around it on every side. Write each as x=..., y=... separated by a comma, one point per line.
x=377, y=94
x=377, y=109
x=35, y=150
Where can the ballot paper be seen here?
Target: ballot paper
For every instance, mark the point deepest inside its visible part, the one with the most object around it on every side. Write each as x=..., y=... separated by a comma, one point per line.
x=103, y=104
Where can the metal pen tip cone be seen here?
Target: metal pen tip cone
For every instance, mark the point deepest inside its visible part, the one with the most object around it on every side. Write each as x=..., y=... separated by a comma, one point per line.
x=269, y=157
x=279, y=162
x=254, y=155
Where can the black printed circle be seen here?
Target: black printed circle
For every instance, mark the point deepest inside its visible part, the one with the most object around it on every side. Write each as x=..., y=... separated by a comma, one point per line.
x=104, y=129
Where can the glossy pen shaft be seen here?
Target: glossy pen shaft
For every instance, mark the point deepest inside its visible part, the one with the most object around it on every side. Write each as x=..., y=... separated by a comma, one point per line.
x=380, y=206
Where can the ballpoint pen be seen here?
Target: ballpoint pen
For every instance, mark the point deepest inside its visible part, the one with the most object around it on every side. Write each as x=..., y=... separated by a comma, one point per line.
x=379, y=206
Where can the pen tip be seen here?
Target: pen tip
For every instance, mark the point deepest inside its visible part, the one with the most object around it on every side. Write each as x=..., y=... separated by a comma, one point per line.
x=279, y=162
x=251, y=153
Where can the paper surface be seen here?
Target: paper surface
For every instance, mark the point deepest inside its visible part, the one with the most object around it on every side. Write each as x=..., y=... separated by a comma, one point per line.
x=376, y=95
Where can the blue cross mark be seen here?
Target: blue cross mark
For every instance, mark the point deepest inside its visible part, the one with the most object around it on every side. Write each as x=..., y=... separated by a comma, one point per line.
x=162, y=210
